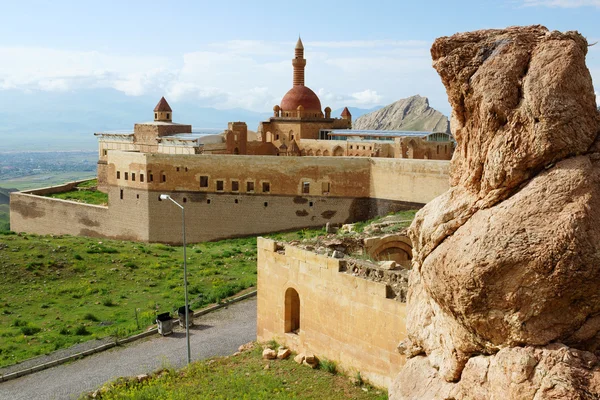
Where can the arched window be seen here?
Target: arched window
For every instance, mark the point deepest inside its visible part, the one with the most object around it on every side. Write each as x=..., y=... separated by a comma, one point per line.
x=292, y=311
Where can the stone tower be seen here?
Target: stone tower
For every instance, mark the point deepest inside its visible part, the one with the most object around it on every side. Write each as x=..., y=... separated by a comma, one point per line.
x=163, y=112
x=299, y=62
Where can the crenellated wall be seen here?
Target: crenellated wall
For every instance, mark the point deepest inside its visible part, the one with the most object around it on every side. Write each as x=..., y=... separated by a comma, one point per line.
x=341, y=317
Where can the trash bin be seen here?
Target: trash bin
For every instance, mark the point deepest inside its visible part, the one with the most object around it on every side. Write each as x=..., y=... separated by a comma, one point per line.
x=165, y=324
x=181, y=313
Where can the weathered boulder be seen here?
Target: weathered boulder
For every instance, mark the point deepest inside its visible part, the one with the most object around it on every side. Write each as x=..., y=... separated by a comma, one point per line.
x=551, y=372
x=510, y=255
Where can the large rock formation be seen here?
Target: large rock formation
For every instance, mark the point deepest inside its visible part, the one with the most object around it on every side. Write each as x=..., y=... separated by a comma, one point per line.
x=411, y=114
x=504, y=298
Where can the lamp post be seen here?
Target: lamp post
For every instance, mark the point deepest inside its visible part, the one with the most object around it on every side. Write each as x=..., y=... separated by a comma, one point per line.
x=187, y=310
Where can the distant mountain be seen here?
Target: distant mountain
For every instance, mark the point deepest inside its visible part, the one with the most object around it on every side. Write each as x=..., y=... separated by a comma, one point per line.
x=410, y=114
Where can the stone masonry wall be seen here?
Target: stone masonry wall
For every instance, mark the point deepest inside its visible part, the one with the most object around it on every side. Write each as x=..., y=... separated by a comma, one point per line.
x=342, y=318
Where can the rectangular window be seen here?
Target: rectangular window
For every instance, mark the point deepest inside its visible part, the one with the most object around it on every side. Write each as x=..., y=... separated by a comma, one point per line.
x=250, y=187
x=105, y=152
x=118, y=174
x=204, y=181
x=220, y=186
x=305, y=187
x=121, y=194
x=150, y=178
x=141, y=177
x=164, y=178
x=235, y=186
x=133, y=176
x=266, y=187
x=325, y=187
x=126, y=175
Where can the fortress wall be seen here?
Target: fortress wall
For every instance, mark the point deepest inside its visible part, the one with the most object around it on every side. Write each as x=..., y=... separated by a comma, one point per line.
x=224, y=218
x=127, y=220
x=55, y=189
x=44, y=215
x=342, y=318
x=349, y=177
x=416, y=181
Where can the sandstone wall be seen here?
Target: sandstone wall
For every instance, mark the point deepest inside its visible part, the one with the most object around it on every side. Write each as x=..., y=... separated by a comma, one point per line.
x=417, y=181
x=342, y=317
x=43, y=215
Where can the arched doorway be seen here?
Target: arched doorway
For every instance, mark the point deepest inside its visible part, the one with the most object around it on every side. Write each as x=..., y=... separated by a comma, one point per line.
x=292, y=311
x=338, y=151
x=326, y=153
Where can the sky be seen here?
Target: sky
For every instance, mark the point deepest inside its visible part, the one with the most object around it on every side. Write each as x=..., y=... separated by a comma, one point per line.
x=229, y=54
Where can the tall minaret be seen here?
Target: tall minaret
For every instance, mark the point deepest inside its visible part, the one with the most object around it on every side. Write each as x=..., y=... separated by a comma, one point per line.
x=299, y=63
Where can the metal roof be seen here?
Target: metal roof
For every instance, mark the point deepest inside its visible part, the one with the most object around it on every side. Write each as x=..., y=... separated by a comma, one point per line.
x=378, y=133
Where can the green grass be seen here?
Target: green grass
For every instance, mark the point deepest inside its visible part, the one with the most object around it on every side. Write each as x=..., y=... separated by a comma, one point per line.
x=406, y=216
x=241, y=377
x=4, y=218
x=85, y=194
x=75, y=289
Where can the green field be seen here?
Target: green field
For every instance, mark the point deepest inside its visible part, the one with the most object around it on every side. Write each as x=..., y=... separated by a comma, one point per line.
x=243, y=377
x=4, y=217
x=57, y=291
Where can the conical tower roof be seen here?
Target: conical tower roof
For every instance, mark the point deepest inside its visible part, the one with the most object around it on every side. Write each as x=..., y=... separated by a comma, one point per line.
x=346, y=112
x=162, y=105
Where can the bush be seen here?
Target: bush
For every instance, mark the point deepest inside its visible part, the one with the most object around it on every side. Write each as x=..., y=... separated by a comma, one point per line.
x=64, y=331
x=131, y=265
x=19, y=322
x=328, y=365
x=81, y=330
x=90, y=317
x=77, y=257
x=108, y=303
x=30, y=330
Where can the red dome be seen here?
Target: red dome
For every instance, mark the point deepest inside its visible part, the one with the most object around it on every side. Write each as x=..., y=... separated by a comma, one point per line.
x=300, y=95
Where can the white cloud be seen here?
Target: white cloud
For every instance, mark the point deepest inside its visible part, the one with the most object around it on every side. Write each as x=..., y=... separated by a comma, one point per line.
x=244, y=73
x=561, y=3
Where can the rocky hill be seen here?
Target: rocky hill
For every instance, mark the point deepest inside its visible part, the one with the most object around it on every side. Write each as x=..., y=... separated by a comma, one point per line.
x=410, y=114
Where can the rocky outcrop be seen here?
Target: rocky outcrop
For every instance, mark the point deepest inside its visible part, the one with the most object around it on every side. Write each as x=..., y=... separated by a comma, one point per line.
x=506, y=264
x=411, y=114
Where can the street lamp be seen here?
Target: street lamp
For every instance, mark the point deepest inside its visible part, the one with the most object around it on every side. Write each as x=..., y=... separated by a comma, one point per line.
x=187, y=310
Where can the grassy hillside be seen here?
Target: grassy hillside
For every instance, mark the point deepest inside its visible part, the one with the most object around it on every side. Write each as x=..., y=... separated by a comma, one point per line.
x=58, y=291
x=4, y=218
x=243, y=377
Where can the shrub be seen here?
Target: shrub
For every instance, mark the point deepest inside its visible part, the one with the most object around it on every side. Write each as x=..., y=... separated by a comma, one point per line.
x=90, y=317
x=328, y=365
x=30, y=330
x=81, y=330
x=19, y=322
x=64, y=331
x=131, y=265
x=77, y=257
x=108, y=302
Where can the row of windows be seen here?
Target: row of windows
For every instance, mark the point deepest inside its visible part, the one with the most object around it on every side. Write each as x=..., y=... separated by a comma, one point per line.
x=235, y=185
x=127, y=176
x=220, y=183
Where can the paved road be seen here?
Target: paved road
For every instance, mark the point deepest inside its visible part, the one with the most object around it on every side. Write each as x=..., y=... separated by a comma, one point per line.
x=216, y=334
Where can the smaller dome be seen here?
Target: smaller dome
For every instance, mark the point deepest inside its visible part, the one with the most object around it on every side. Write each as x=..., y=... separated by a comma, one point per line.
x=300, y=96
x=276, y=108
